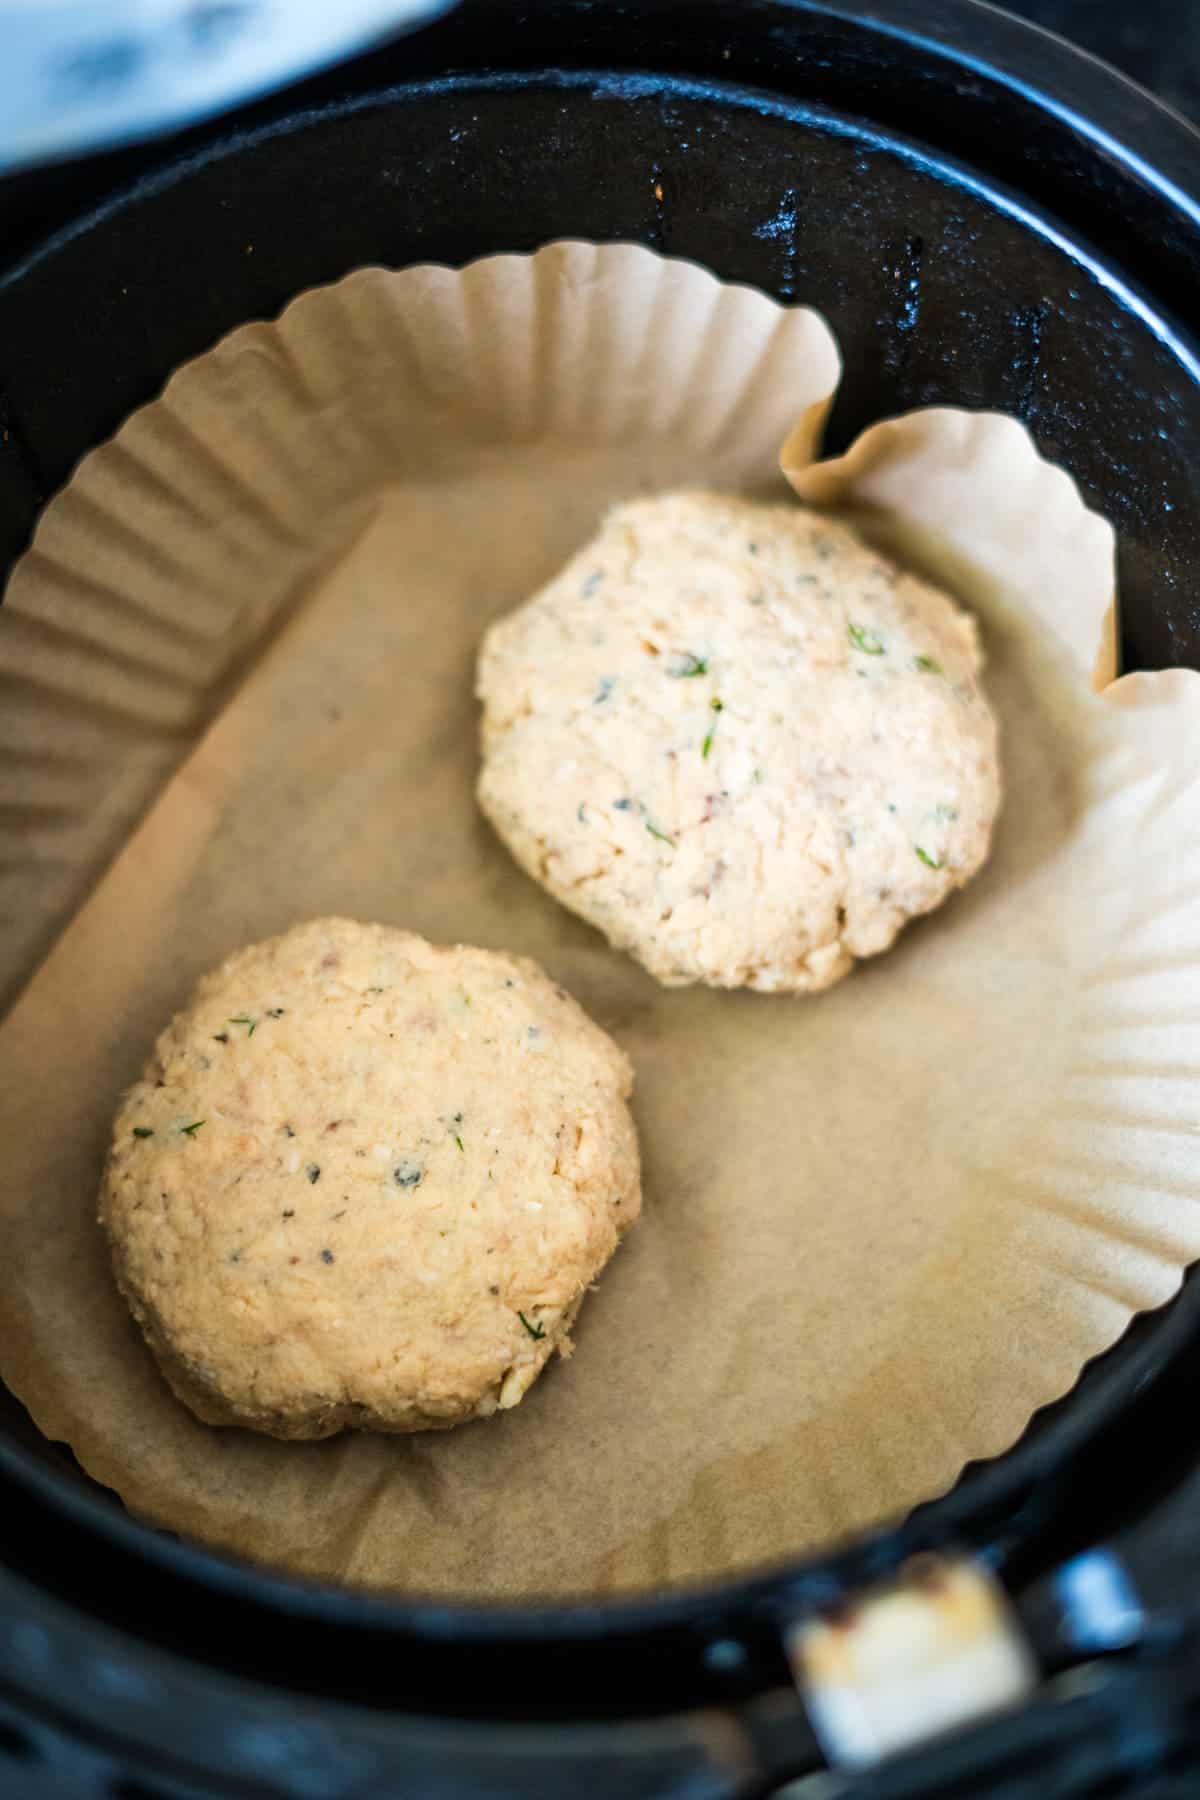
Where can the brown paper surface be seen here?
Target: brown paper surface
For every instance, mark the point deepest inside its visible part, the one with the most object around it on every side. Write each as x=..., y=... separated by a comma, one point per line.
x=882, y=1225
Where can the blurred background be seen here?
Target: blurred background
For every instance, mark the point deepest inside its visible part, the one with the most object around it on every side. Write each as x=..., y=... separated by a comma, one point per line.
x=1157, y=42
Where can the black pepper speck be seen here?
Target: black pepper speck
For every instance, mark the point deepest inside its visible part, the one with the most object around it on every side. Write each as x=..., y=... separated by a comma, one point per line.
x=313, y=1171
x=327, y=1256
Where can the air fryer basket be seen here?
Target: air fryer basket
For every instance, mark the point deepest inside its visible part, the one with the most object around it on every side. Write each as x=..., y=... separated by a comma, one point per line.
x=987, y=220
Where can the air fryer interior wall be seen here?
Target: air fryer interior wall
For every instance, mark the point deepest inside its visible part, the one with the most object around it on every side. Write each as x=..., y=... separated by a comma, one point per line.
x=1042, y=284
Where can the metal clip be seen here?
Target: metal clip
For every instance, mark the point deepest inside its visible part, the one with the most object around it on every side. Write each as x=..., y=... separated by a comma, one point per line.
x=934, y=1649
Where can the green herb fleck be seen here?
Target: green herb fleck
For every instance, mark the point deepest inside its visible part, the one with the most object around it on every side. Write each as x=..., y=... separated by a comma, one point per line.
x=757, y=777
x=459, y=1142
x=193, y=1128
x=537, y=1331
x=869, y=642
x=947, y=814
x=142, y=1131
x=662, y=836
x=245, y=1019
x=220, y=1037
x=759, y=599
x=690, y=667
x=931, y=862
x=718, y=706
x=928, y=665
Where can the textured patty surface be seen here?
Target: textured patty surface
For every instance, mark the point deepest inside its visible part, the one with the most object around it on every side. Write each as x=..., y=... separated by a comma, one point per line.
x=366, y=1181
x=738, y=741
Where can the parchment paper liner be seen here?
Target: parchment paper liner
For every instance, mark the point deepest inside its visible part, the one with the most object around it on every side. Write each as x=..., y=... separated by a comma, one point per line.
x=882, y=1226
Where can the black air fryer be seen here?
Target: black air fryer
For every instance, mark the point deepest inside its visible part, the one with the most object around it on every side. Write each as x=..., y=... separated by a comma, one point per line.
x=991, y=219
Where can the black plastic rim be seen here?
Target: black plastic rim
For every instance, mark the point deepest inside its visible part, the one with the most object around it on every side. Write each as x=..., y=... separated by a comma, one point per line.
x=998, y=1504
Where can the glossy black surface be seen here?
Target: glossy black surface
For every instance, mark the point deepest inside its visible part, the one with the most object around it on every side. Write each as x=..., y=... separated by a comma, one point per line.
x=991, y=320
x=971, y=243
x=1154, y=42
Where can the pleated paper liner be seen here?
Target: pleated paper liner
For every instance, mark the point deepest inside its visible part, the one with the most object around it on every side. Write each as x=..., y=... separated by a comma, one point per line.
x=884, y=1225
x=165, y=567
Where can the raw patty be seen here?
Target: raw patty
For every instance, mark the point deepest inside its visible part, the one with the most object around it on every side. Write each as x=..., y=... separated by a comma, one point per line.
x=365, y=1181
x=740, y=742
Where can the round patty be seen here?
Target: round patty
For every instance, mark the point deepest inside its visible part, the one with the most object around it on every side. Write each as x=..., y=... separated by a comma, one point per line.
x=740, y=742
x=366, y=1181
